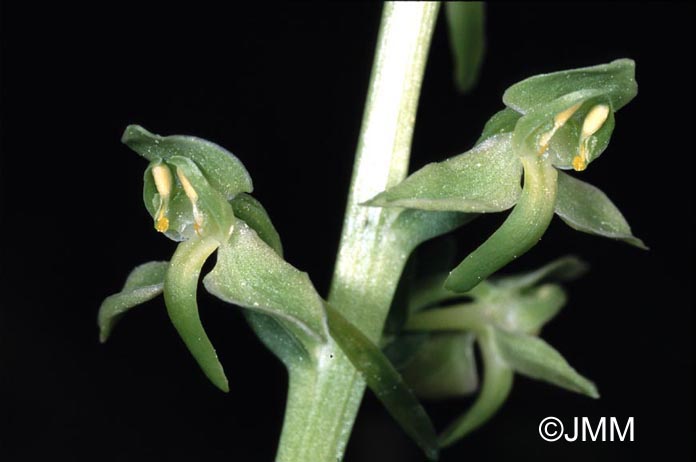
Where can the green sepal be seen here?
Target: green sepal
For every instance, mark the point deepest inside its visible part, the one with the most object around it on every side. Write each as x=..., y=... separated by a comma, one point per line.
x=520, y=232
x=533, y=357
x=615, y=80
x=565, y=268
x=484, y=179
x=180, y=288
x=249, y=273
x=495, y=388
x=503, y=121
x=246, y=208
x=443, y=367
x=212, y=206
x=222, y=169
x=384, y=381
x=586, y=208
x=144, y=283
x=467, y=41
x=526, y=311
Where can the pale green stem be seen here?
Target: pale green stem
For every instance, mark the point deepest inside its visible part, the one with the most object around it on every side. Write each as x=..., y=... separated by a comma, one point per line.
x=323, y=401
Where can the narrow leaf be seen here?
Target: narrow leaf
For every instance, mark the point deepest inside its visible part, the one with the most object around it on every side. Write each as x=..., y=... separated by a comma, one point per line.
x=467, y=40
x=249, y=273
x=180, y=288
x=484, y=179
x=222, y=169
x=586, y=208
x=144, y=283
x=520, y=232
x=615, y=80
x=533, y=357
x=384, y=380
x=495, y=388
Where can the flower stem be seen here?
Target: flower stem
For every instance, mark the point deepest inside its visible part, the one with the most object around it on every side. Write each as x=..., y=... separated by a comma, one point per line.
x=323, y=401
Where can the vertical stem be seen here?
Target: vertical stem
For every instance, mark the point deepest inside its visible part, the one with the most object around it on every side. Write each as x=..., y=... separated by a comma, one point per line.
x=323, y=401
x=367, y=268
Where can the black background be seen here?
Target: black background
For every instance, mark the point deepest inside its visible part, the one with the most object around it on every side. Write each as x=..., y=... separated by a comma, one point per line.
x=282, y=86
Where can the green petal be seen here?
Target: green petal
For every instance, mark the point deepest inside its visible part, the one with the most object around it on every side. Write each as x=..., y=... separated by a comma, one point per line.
x=535, y=358
x=444, y=367
x=615, y=80
x=252, y=212
x=467, y=40
x=214, y=209
x=222, y=169
x=179, y=213
x=538, y=122
x=522, y=229
x=144, y=283
x=503, y=121
x=495, y=388
x=484, y=179
x=180, y=287
x=251, y=274
x=565, y=144
x=586, y=208
x=565, y=268
x=386, y=383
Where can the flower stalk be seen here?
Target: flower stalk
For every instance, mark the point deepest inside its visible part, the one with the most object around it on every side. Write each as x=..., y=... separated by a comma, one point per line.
x=368, y=266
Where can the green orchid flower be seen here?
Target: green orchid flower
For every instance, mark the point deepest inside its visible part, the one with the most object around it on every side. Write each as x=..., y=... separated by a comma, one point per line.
x=198, y=194
x=504, y=317
x=553, y=122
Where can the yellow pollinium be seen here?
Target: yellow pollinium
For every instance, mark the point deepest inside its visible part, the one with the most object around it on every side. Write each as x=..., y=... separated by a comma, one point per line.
x=593, y=122
x=579, y=163
x=193, y=197
x=558, y=121
x=163, y=183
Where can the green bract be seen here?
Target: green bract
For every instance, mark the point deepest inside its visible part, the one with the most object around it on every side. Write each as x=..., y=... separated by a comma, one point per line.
x=553, y=121
x=504, y=317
